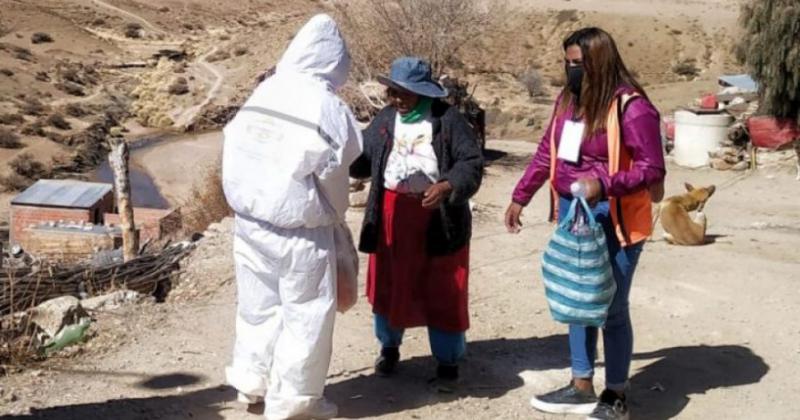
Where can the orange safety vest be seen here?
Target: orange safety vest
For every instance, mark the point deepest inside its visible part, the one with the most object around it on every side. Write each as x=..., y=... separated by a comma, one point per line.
x=632, y=214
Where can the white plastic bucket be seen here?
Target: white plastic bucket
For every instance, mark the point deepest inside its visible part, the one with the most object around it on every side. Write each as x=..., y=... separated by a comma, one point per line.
x=698, y=134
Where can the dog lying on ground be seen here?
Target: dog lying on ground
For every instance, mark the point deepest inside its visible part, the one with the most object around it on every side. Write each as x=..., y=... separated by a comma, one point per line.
x=679, y=227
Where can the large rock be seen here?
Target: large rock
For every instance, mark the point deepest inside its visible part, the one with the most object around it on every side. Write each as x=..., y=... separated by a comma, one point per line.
x=54, y=314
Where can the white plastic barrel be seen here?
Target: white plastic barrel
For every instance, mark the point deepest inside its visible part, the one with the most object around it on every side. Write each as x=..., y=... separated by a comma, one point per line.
x=698, y=134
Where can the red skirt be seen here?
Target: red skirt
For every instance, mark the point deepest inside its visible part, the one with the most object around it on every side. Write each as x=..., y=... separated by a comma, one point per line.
x=405, y=284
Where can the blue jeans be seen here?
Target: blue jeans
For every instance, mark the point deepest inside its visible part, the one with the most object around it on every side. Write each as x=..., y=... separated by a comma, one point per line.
x=447, y=347
x=618, y=332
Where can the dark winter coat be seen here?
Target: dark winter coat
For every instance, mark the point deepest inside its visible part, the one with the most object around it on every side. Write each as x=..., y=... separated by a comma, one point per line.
x=460, y=162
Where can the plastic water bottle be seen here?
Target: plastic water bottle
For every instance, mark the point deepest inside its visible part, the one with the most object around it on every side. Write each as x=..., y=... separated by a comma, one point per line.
x=580, y=225
x=578, y=189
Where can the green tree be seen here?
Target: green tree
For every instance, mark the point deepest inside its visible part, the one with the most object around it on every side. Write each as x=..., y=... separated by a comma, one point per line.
x=770, y=48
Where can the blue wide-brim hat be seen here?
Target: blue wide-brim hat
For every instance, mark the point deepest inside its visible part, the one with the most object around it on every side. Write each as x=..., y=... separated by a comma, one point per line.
x=414, y=75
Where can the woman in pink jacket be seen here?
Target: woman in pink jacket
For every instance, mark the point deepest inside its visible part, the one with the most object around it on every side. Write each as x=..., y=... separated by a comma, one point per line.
x=577, y=148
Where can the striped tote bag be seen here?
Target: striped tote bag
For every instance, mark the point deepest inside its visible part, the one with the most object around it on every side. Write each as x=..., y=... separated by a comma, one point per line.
x=578, y=280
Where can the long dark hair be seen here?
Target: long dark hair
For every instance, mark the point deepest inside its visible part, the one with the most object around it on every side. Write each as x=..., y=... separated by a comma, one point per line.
x=604, y=73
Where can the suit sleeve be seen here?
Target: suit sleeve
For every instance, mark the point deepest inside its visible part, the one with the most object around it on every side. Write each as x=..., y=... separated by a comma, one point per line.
x=362, y=167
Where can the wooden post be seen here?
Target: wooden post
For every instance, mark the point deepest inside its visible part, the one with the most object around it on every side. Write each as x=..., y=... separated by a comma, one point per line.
x=118, y=160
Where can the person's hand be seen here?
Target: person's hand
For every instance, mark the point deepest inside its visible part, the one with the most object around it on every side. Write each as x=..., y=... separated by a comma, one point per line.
x=594, y=192
x=435, y=194
x=512, y=220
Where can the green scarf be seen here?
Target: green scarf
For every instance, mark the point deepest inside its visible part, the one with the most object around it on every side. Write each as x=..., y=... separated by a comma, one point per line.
x=419, y=112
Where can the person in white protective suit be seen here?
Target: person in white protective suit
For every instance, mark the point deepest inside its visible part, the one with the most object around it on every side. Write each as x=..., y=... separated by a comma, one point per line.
x=285, y=175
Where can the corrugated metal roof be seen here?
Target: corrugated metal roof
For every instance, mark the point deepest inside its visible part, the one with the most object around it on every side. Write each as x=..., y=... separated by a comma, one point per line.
x=741, y=81
x=63, y=193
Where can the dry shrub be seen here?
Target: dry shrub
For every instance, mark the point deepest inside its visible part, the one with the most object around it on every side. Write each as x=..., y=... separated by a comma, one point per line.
x=219, y=55
x=565, y=16
x=18, y=343
x=436, y=30
x=35, y=128
x=42, y=76
x=240, y=51
x=215, y=116
x=25, y=170
x=133, y=30
x=533, y=82
x=363, y=107
x=6, y=72
x=55, y=137
x=26, y=165
x=687, y=68
x=11, y=119
x=71, y=88
x=75, y=111
x=32, y=106
x=9, y=139
x=57, y=120
x=78, y=73
x=23, y=54
x=14, y=182
x=41, y=37
x=179, y=87
x=206, y=203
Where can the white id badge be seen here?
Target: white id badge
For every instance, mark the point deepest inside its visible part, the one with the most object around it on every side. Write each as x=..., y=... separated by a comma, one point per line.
x=569, y=149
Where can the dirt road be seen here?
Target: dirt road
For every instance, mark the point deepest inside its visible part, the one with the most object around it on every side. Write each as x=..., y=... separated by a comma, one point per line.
x=188, y=115
x=146, y=23
x=715, y=331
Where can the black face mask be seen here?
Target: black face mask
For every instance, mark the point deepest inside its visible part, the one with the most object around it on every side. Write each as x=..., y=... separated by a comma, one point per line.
x=574, y=79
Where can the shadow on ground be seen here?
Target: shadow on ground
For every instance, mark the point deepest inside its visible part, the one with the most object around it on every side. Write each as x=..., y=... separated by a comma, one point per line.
x=492, y=369
x=660, y=390
x=203, y=404
x=172, y=380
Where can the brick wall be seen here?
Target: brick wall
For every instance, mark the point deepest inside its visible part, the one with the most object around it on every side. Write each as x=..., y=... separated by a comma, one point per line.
x=67, y=246
x=105, y=205
x=23, y=217
x=152, y=224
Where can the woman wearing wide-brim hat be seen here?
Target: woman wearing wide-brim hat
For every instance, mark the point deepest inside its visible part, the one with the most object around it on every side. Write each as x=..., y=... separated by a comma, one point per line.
x=425, y=164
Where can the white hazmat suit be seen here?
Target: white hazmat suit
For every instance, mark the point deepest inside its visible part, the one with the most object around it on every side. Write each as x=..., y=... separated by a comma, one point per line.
x=285, y=174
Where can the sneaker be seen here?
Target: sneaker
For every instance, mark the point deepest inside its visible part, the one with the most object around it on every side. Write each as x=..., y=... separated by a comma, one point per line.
x=610, y=407
x=386, y=364
x=322, y=409
x=446, y=380
x=249, y=399
x=567, y=400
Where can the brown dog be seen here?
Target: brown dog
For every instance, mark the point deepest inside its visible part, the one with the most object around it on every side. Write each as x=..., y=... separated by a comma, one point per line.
x=679, y=227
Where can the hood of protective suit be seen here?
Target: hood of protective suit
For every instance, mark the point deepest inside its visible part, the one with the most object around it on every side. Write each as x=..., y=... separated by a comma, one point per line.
x=288, y=149
x=318, y=50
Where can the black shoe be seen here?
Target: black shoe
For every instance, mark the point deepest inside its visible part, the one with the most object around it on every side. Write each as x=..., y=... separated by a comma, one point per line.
x=567, y=400
x=386, y=364
x=610, y=407
x=446, y=380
